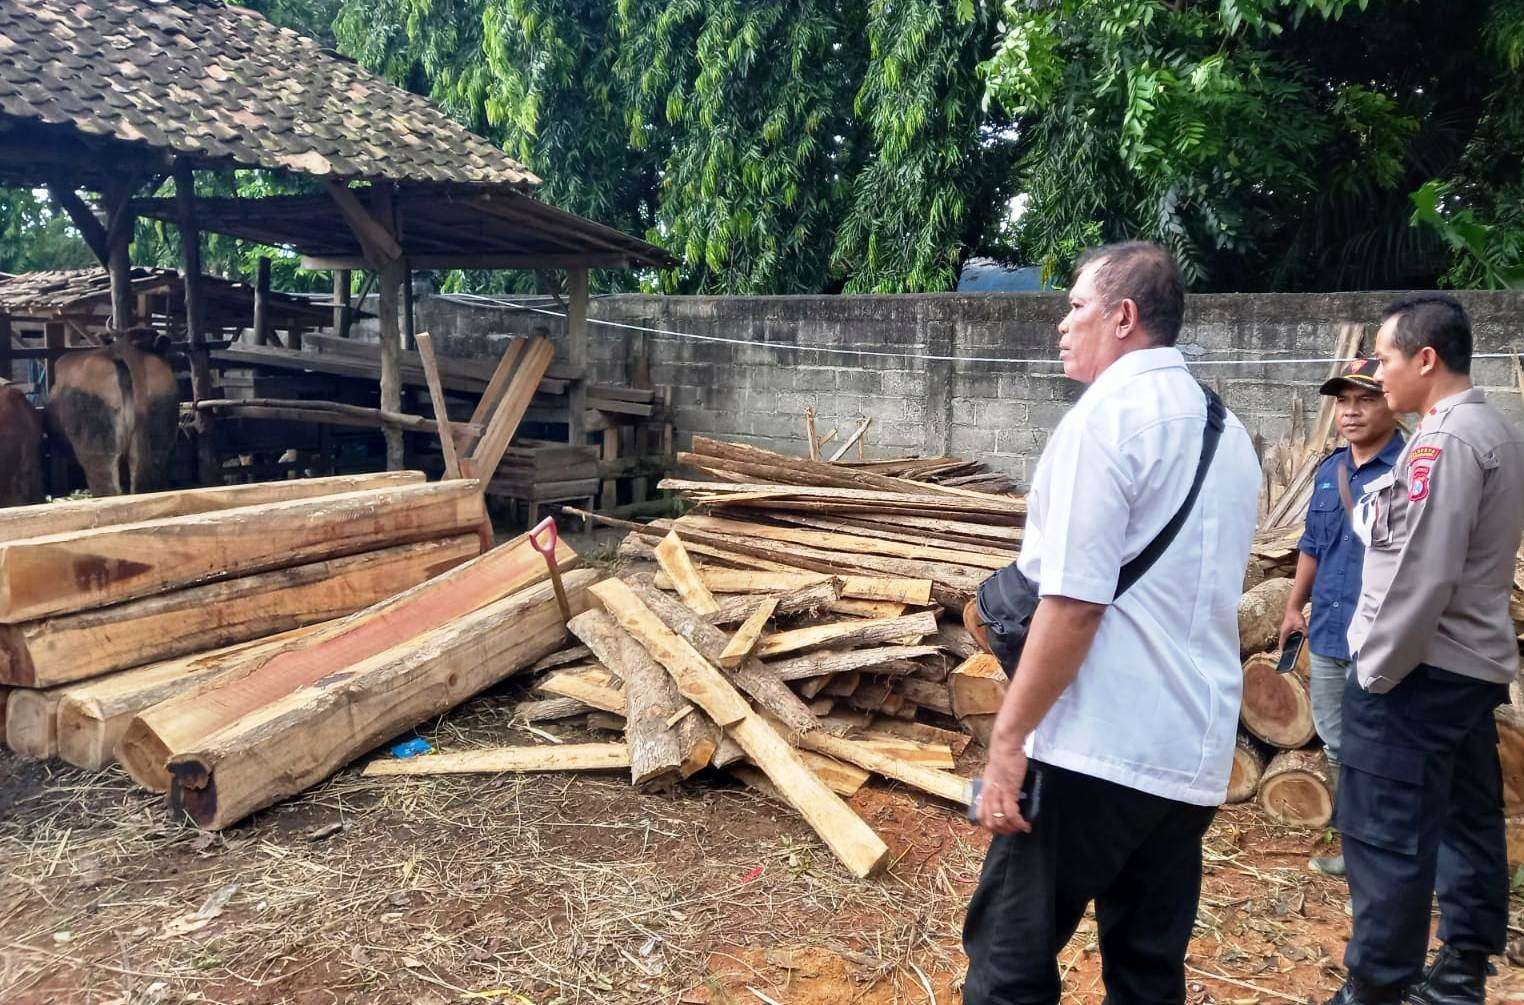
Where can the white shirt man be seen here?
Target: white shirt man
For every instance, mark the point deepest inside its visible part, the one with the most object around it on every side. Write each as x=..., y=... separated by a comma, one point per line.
x=1126, y=706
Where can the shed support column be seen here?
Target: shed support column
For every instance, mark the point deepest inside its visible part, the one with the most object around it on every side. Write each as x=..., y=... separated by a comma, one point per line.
x=195, y=319
x=6, y=364
x=119, y=264
x=576, y=355
x=389, y=282
x=341, y=301
x=262, y=301
x=409, y=319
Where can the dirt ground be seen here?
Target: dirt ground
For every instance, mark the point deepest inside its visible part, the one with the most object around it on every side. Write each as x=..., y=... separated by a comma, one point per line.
x=559, y=889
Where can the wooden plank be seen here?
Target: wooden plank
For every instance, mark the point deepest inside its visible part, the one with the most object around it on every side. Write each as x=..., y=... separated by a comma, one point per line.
x=499, y=760
x=806, y=600
x=853, y=842
x=592, y=686
x=921, y=732
x=510, y=411
x=45, y=519
x=930, y=694
x=85, y=569
x=674, y=561
x=824, y=662
x=942, y=784
x=852, y=543
x=867, y=608
x=853, y=440
x=437, y=400
x=31, y=722
x=72, y=647
x=741, y=644
x=94, y=715
x=896, y=590
x=498, y=383
x=849, y=633
x=660, y=744
x=176, y=725
x=841, y=778
x=927, y=755
x=312, y=732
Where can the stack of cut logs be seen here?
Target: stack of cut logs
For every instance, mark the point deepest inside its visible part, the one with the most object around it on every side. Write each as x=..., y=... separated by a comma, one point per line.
x=231, y=646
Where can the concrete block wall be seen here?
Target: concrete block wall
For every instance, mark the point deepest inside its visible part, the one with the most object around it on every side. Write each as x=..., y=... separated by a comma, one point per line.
x=1000, y=413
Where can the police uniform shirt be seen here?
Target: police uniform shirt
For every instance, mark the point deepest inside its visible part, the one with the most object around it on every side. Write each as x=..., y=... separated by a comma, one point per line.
x=1155, y=704
x=1329, y=538
x=1442, y=533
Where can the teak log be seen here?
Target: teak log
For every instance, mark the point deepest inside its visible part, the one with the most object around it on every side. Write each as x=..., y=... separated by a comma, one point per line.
x=853, y=842
x=93, y=716
x=674, y=561
x=178, y=724
x=1249, y=760
x=657, y=751
x=805, y=600
x=305, y=736
x=744, y=641
x=823, y=662
x=72, y=647
x=45, y=519
x=751, y=676
x=1260, y=613
x=545, y=709
x=836, y=541
x=31, y=722
x=929, y=694
x=927, y=755
x=920, y=732
x=494, y=760
x=1276, y=707
x=977, y=686
x=849, y=633
x=1296, y=789
x=79, y=570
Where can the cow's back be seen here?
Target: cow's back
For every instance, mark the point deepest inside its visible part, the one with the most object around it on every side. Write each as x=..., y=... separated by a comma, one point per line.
x=118, y=406
x=20, y=449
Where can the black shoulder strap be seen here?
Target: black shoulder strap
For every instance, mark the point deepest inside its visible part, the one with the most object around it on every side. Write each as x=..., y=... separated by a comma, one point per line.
x=1216, y=420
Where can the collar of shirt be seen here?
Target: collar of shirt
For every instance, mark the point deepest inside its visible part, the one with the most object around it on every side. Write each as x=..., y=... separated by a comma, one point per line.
x=1470, y=396
x=1131, y=364
x=1388, y=454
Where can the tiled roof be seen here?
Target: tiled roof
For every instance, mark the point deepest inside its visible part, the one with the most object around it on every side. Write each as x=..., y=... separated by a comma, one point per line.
x=85, y=293
x=221, y=83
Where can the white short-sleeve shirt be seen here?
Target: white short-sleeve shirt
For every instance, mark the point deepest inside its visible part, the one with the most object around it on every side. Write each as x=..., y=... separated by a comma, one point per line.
x=1155, y=703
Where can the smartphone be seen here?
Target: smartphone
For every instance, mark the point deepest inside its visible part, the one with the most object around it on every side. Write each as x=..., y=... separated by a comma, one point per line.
x=1291, y=653
x=1027, y=804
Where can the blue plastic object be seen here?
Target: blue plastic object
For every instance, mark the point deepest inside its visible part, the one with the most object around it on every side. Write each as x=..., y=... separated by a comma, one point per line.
x=412, y=748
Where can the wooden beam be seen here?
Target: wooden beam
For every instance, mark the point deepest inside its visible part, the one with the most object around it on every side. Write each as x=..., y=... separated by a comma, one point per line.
x=849, y=633
x=375, y=235
x=674, y=561
x=195, y=317
x=510, y=410
x=805, y=600
x=73, y=647
x=592, y=686
x=317, y=729
x=31, y=722
x=389, y=282
x=746, y=637
x=825, y=662
x=437, y=399
x=409, y=316
x=942, y=784
x=119, y=227
x=855, y=438
x=470, y=260
x=84, y=220
x=179, y=725
x=576, y=354
x=499, y=760
x=497, y=385
x=262, y=300
x=343, y=312
x=81, y=570
x=853, y=842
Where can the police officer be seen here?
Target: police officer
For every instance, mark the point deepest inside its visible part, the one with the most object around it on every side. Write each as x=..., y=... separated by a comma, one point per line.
x=1420, y=800
x=1328, y=566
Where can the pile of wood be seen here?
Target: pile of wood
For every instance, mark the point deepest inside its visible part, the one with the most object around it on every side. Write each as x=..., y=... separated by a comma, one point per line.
x=230, y=647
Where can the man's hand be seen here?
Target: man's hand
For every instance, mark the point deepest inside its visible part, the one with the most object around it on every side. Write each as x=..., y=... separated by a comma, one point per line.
x=1292, y=622
x=1003, y=778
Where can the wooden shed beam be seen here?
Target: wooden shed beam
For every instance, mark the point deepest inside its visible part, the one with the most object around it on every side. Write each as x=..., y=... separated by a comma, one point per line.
x=468, y=260
x=372, y=228
x=84, y=221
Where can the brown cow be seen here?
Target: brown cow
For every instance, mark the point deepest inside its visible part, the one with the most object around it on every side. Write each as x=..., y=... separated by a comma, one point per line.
x=119, y=407
x=20, y=449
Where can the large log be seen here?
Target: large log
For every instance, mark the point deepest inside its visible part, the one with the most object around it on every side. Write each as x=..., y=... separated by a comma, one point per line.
x=176, y=725
x=72, y=647
x=1276, y=707
x=1510, y=722
x=853, y=842
x=303, y=737
x=658, y=752
x=1260, y=613
x=1249, y=760
x=79, y=570
x=751, y=676
x=46, y=519
x=92, y=716
x=31, y=722
x=1296, y=789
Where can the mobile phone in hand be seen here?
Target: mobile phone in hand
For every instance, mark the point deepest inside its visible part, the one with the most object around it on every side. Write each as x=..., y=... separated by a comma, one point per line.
x=1027, y=804
x=1291, y=652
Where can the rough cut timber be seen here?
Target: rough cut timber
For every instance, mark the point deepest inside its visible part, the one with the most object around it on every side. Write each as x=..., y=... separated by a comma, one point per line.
x=824, y=662
x=305, y=736
x=593, y=686
x=977, y=686
x=72, y=647
x=927, y=755
x=495, y=760
x=674, y=561
x=853, y=842
x=1296, y=789
x=92, y=716
x=942, y=784
x=1276, y=707
x=177, y=724
x=1510, y=723
x=835, y=541
x=658, y=750
x=547, y=709
x=921, y=732
x=31, y=722
x=1260, y=613
x=45, y=519
x=805, y=600
x=1249, y=760
x=841, y=778
x=896, y=589
x=79, y=570
x=883, y=630
x=751, y=676
x=744, y=641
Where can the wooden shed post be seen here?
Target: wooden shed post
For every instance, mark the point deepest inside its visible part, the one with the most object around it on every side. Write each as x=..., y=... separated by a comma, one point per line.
x=7, y=371
x=576, y=355
x=195, y=318
x=119, y=261
x=409, y=320
x=262, y=301
x=342, y=312
x=389, y=282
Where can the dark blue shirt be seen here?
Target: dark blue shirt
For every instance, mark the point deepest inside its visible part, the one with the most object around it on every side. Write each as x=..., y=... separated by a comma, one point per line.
x=1329, y=538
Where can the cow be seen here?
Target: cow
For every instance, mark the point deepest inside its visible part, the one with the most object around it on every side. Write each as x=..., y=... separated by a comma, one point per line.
x=20, y=449
x=119, y=408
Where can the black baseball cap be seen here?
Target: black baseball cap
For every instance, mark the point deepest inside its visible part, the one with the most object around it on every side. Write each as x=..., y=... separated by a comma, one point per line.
x=1360, y=375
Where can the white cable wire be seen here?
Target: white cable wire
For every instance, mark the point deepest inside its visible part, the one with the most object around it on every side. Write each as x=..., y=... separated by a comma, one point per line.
x=479, y=300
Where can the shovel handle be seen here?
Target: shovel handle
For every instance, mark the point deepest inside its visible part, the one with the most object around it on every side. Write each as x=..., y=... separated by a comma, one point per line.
x=545, y=526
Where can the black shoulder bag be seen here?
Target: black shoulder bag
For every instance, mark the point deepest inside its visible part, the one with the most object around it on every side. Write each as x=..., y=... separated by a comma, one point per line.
x=1008, y=599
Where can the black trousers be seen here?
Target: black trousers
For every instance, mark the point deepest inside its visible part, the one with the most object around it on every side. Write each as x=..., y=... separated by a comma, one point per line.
x=1421, y=811
x=1137, y=856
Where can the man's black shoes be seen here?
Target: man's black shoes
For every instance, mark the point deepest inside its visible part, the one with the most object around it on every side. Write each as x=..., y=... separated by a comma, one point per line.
x=1456, y=977
x=1353, y=993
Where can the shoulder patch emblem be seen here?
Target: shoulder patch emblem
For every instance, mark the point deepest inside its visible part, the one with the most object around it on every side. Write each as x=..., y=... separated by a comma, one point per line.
x=1423, y=454
x=1418, y=482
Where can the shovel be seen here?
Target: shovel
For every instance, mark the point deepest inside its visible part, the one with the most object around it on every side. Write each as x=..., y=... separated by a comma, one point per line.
x=547, y=528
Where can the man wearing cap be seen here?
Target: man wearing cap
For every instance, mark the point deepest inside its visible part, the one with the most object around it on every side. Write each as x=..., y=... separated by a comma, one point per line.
x=1420, y=802
x=1328, y=566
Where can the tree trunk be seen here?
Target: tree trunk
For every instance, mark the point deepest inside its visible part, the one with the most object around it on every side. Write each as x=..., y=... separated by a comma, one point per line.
x=1249, y=760
x=1297, y=790
x=1260, y=612
x=1276, y=707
